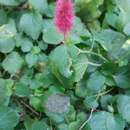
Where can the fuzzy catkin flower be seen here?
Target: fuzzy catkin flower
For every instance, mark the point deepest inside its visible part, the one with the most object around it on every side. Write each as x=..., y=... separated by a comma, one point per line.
x=64, y=16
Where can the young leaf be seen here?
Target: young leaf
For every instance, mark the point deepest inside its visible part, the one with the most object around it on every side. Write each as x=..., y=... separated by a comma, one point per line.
x=31, y=24
x=12, y=63
x=8, y=118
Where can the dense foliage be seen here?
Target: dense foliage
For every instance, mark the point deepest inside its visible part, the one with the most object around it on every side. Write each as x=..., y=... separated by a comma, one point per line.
x=83, y=84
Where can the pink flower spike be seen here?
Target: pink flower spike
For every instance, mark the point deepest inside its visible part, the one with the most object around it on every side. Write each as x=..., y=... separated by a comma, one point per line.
x=64, y=16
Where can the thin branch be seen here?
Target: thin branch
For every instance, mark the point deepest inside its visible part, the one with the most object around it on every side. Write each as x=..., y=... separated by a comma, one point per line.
x=92, y=110
x=83, y=125
x=94, y=64
x=50, y=125
x=91, y=49
x=30, y=108
x=93, y=53
x=103, y=93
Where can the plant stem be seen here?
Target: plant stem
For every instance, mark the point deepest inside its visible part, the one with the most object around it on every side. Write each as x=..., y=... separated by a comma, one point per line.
x=30, y=108
x=93, y=64
x=93, y=53
x=83, y=125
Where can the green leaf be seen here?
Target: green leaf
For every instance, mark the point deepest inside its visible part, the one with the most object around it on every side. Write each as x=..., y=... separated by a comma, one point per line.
x=36, y=50
x=50, y=10
x=5, y=91
x=124, y=106
x=112, y=42
x=31, y=24
x=81, y=89
x=51, y=36
x=3, y=17
x=36, y=103
x=31, y=59
x=44, y=79
x=80, y=65
x=26, y=45
x=116, y=17
x=22, y=90
x=122, y=78
x=127, y=29
x=124, y=5
x=12, y=63
x=80, y=119
x=7, y=37
x=71, y=115
x=63, y=127
x=90, y=102
x=56, y=118
x=40, y=125
x=54, y=78
x=89, y=9
x=118, y=14
x=7, y=45
x=10, y=2
x=79, y=30
x=62, y=64
x=106, y=100
x=96, y=82
x=36, y=125
x=39, y=5
x=106, y=121
x=8, y=118
x=43, y=46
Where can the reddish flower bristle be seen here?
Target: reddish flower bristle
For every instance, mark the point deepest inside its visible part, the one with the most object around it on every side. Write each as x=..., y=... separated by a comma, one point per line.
x=64, y=16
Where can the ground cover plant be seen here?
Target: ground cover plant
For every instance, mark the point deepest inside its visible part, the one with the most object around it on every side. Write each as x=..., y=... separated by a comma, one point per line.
x=58, y=78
